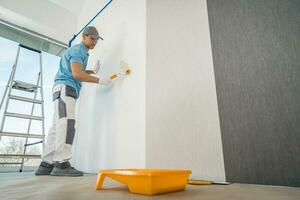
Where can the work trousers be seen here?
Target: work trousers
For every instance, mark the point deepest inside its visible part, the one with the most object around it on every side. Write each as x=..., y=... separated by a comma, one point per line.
x=58, y=146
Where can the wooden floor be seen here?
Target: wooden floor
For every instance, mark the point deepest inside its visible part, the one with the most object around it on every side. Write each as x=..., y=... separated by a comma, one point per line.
x=27, y=186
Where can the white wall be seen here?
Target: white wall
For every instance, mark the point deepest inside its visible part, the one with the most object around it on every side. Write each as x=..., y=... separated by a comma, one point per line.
x=110, y=130
x=42, y=16
x=182, y=126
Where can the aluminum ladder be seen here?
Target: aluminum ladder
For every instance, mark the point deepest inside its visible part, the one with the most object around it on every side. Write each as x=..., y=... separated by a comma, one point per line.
x=13, y=84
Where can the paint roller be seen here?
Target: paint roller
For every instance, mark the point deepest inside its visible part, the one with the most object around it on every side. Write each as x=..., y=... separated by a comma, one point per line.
x=125, y=71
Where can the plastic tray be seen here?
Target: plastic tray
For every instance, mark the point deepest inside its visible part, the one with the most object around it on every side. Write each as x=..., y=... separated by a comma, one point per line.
x=147, y=181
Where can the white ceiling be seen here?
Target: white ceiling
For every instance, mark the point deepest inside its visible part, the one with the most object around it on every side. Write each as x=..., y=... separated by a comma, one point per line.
x=73, y=6
x=30, y=14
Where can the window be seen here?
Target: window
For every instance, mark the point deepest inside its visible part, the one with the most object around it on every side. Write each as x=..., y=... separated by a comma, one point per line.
x=27, y=71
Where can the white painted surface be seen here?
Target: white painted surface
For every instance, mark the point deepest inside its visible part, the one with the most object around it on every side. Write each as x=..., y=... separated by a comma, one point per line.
x=73, y=6
x=182, y=126
x=111, y=120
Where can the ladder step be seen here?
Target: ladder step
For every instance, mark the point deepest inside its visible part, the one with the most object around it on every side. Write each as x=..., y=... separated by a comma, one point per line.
x=25, y=135
x=19, y=155
x=11, y=163
x=30, y=48
x=27, y=87
x=8, y=114
x=30, y=100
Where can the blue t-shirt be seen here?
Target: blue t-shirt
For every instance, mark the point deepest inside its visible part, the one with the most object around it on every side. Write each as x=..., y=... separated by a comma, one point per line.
x=77, y=53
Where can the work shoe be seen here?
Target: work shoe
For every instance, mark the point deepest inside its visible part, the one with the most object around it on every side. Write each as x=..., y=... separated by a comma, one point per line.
x=65, y=169
x=44, y=169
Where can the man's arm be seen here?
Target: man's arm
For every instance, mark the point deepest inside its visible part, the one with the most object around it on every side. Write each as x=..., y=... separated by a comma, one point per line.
x=80, y=75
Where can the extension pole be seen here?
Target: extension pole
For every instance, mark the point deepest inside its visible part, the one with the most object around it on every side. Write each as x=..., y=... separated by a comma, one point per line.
x=74, y=36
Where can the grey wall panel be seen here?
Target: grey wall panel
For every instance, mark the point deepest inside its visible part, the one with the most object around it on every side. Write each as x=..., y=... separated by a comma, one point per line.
x=256, y=53
x=182, y=120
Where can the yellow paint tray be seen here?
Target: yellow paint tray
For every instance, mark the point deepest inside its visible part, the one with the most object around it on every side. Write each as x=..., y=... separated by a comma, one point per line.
x=147, y=181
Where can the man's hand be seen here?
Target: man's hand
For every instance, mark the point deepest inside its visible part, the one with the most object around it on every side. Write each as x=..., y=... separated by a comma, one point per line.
x=105, y=81
x=97, y=67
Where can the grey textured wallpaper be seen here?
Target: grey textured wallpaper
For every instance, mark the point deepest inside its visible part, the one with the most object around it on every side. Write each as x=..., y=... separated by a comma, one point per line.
x=256, y=53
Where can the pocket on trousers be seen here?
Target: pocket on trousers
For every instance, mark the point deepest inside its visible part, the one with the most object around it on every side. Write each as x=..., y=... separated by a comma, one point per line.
x=70, y=131
x=71, y=92
x=62, y=109
x=55, y=95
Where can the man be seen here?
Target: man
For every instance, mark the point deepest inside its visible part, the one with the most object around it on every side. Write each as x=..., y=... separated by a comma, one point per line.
x=67, y=84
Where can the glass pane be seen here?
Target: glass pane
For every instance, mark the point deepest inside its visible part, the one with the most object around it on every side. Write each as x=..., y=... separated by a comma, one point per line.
x=26, y=71
x=11, y=145
x=35, y=149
